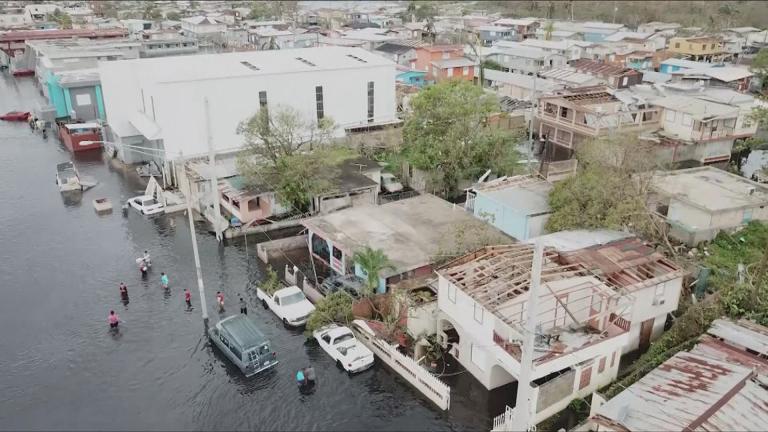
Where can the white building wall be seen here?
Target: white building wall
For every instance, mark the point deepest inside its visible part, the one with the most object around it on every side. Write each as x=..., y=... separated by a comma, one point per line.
x=678, y=123
x=179, y=109
x=688, y=215
x=653, y=302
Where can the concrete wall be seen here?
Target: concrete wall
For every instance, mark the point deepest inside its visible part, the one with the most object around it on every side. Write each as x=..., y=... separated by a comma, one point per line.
x=422, y=319
x=688, y=215
x=501, y=216
x=643, y=308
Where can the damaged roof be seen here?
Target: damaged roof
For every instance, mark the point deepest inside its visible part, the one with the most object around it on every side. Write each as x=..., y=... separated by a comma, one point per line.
x=689, y=392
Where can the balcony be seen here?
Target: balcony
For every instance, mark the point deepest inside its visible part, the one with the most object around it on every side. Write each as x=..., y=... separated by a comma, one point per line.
x=593, y=123
x=712, y=134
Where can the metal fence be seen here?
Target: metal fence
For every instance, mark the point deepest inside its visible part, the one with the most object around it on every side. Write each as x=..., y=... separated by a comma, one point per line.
x=397, y=196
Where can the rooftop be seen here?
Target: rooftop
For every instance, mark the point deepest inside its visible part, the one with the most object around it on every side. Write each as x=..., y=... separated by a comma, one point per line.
x=243, y=331
x=514, y=49
x=454, y=62
x=202, y=20
x=393, y=48
x=411, y=231
x=625, y=263
x=568, y=241
x=515, y=22
x=689, y=392
x=684, y=63
x=441, y=48
x=522, y=193
x=59, y=34
x=697, y=186
x=620, y=36
x=698, y=109
x=600, y=68
x=570, y=76
x=250, y=63
x=520, y=80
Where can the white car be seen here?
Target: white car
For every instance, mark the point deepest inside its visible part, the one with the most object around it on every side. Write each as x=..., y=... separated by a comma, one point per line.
x=146, y=205
x=289, y=304
x=390, y=184
x=340, y=343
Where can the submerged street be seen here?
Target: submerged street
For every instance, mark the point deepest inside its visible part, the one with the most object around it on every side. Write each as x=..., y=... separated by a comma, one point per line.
x=63, y=369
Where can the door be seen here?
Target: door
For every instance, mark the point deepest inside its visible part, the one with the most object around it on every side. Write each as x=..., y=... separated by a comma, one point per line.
x=646, y=328
x=84, y=103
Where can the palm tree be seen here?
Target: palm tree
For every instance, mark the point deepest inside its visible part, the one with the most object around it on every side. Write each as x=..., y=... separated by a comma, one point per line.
x=549, y=27
x=372, y=262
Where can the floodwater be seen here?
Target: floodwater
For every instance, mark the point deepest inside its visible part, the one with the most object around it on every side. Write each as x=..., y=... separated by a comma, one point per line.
x=60, y=366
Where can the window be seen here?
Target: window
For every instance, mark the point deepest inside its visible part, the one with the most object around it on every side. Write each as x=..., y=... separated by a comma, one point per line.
x=337, y=253
x=564, y=112
x=370, y=101
x=449, y=72
x=326, y=338
x=254, y=204
x=677, y=45
x=465, y=70
x=713, y=46
x=613, y=358
x=452, y=292
x=670, y=115
x=687, y=120
x=479, y=313
x=601, y=365
x=319, y=102
x=263, y=99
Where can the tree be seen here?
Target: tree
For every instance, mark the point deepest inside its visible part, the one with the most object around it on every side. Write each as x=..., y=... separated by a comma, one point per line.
x=759, y=67
x=62, y=19
x=260, y=9
x=549, y=27
x=372, y=262
x=150, y=11
x=610, y=190
x=173, y=16
x=446, y=134
x=490, y=64
x=333, y=308
x=290, y=155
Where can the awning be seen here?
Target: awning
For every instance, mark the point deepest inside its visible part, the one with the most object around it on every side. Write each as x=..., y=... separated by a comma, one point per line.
x=146, y=126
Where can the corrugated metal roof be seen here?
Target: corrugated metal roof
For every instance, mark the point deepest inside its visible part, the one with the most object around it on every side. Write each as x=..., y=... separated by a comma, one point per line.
x=680, y=395
x=600, y=68
x=697, y=108
x=744, y=333
x=569, y=76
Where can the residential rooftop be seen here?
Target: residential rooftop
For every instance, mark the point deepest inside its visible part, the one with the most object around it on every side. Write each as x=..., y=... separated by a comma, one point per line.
x=698, y=109
x=527, y=195
x=689, y=392
x=521, y=80
x=570, y=76
x=600, y=68
x=454, y=62
x=411, y=231
x=698, y=186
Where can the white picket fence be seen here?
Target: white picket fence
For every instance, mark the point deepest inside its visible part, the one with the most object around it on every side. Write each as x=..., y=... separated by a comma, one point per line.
x=428, y=384
x=503, y=421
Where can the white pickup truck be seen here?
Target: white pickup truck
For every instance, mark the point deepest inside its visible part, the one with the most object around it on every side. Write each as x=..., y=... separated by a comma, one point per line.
x=289, y=304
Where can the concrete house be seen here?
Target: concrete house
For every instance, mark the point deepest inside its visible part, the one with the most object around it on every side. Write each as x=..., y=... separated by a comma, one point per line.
x=616, y=76
x=568, y=48
x=524, y=27
x=411, y=232
x=489, y=34
x=482, y=298
x=516, y=85
x=685, y=198
x=425, y=55
x=514, y=57
x=404, y=55
x=518, y=205
x=717, y=386
x=653, y=282
x=567, y=118
x=203, y=27
x=699, y=48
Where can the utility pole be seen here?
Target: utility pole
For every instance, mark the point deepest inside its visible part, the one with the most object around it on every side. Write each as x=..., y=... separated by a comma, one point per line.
x=214, y=179
x=530, y=125
x=615, y=10
x=522, y=420
x=193, y=235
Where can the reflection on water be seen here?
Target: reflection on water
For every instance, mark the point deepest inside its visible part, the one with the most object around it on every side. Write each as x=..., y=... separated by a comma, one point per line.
x=63, y=368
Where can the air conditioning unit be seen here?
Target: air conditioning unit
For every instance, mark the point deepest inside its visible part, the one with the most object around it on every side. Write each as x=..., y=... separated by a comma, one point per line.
x=659, y=301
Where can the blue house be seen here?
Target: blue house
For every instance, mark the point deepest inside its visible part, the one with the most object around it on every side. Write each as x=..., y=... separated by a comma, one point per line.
x=518, y=206
x=76, y=94
x=672, y=65
x=412, y=77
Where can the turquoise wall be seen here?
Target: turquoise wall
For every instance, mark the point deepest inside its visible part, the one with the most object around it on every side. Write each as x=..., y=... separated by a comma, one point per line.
x=100, y=103
x=56, y=96
x=502, y=217
x=359, y=272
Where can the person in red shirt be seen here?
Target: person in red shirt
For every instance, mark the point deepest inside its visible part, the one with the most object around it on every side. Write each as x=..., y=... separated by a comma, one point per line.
x=220, y=300
x=114, y=320
x=188, y=298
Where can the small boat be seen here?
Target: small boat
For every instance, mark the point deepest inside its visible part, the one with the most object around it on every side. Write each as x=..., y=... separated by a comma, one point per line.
x=15, y=116
x=67, y=177
x=80, y=136
x=102, y=205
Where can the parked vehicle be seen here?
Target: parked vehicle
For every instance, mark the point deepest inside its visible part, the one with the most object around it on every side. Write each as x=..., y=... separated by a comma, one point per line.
x=15, y=116
x=390, y=183
x=340, y=343
x=244, y=344
x=80, y=136
x=67, y=177
x=289, y=304
x=146, y=205
x=347, y=283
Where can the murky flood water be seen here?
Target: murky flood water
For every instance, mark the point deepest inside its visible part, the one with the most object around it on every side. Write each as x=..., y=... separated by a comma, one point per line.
x=61, y=368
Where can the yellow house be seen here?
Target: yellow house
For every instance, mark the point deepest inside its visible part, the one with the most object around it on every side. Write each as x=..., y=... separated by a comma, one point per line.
x=699, y=48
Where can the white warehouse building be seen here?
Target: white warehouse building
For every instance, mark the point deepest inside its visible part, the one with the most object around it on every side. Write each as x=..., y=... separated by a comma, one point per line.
x=159, y=102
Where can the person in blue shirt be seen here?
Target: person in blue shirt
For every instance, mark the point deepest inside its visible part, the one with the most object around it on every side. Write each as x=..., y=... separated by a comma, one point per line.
x=300, y=378
x=164, y=280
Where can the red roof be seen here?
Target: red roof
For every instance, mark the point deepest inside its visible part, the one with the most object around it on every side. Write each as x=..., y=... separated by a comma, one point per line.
x=23, y=35
x=599, y=68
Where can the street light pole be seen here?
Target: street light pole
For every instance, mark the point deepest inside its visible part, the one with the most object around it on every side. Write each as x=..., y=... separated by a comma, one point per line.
x=193, y=235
